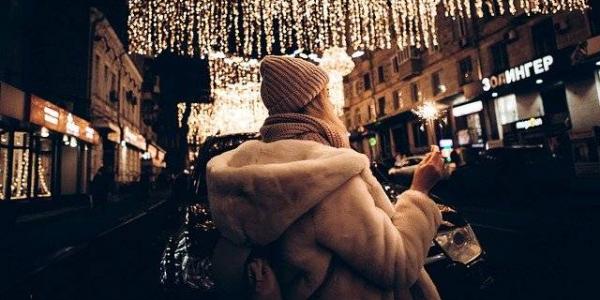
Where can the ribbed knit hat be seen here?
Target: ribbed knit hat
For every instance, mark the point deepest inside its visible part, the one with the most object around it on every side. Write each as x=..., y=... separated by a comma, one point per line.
x=289, y=84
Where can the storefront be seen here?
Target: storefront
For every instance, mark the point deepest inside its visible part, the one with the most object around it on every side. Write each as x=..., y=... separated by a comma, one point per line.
x=61, y=150
x=43, y=153
x=132, y=148
x=527, y=104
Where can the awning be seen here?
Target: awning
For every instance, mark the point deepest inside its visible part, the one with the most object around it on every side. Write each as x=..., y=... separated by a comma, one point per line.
x=53, y=117
x=114, y=132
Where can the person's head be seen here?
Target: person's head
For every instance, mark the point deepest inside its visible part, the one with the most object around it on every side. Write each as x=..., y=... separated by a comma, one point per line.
x=293, y=85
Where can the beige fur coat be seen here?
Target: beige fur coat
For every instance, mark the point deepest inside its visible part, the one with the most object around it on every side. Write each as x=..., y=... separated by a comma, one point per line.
x=337, y=235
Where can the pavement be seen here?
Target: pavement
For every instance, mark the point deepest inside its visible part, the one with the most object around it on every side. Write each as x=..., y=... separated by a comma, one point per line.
x=42, y=238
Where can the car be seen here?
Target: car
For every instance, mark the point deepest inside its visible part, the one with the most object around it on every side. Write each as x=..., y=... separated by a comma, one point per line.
x=512, y=175
x=403, y=169
x=456, y=261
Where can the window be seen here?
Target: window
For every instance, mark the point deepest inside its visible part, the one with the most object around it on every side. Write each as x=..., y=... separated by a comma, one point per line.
x=97, y=74
x=544, y=39
x=4, y=136
x=397, y=103
x=437, y=84
x=371, y=112
x=105, y=82
x=20, y=166
x=381, y=74
x=506, y=109
x=466, y=70
x=367, y=81
x=396, y=64
x=381, y=107
x=43, y=168
x=357, y=117
x=500, y=57
x=415, y=94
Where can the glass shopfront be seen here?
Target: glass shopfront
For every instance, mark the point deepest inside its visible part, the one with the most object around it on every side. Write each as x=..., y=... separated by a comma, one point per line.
x=4, y=159
x=26, y=165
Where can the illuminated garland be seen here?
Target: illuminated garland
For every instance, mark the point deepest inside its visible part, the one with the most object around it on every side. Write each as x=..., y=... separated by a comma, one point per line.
x=237, y=106
x=254, y=27
x=196, y=27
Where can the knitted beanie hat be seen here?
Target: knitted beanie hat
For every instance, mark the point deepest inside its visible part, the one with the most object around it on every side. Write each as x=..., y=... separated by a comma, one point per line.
x=289, y=84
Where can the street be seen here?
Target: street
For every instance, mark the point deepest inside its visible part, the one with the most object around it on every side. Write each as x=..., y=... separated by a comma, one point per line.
x=542, y=252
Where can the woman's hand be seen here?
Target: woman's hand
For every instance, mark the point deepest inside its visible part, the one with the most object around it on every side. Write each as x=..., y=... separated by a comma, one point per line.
x=428, y=172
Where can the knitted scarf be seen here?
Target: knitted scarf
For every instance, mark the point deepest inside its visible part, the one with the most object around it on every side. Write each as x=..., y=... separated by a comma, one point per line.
x=297, y=126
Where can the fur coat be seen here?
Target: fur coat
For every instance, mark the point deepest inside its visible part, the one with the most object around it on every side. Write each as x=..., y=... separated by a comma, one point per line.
x=333, y=230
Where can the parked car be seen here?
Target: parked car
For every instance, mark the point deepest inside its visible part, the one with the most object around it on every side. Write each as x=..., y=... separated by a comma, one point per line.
x=402, y=170
x=510, y=174
x=456, y=260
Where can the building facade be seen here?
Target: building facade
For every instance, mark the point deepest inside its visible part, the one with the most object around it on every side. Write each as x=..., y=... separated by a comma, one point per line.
x=69, y=103
x=502, y=81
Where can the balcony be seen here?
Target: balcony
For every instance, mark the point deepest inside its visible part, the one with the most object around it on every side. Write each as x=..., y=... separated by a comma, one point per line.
x=409, y=68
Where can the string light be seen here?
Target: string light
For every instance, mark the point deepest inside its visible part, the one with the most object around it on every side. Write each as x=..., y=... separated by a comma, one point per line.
x=337, y=63
x=196, y=27
x=237, y=106
x=462, y=8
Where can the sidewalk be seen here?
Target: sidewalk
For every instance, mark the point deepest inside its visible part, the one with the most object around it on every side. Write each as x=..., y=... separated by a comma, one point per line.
x=36, y=238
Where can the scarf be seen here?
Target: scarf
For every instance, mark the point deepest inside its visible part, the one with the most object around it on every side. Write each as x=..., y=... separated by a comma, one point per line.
x=297, y=126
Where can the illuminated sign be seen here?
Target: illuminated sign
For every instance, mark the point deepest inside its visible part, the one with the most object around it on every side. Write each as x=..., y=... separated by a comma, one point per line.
x=526, y=124
x=467, y=109
x=372, y=141
x=446, y=143
x=52, y=117
x=524, y=71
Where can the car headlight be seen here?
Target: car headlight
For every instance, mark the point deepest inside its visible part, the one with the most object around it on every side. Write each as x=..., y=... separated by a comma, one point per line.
x=460, y=244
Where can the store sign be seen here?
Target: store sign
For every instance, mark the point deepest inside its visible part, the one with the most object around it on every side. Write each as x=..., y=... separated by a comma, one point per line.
x=524, y=71
x=526, y=124
x=467, y=109
x=50, y=116
x=134, y=138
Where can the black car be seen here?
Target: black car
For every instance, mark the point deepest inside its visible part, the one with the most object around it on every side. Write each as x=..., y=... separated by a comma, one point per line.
x=456, y=260
x=518, y=174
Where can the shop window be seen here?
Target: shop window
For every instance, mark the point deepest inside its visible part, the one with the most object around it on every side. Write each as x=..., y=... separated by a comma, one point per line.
x=367, y=81
x=396, y=99
x=19, y=186
x=43, y=168
x=381, y=107
x=415, y=93
x=468, y=129
x=466, y=70
x=506, y=109
x=381, y=74
x=436, y=83
x=500, y=57
x=544, y=38
x=3, y=162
